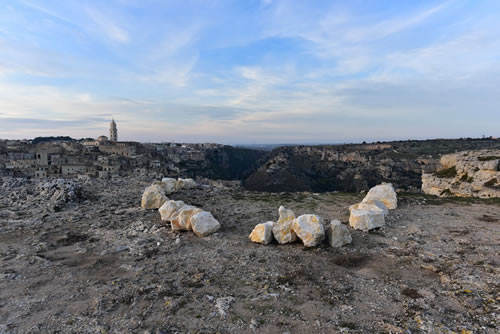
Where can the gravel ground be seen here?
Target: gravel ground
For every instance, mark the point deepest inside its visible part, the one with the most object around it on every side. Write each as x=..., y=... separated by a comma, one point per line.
x=83, y=257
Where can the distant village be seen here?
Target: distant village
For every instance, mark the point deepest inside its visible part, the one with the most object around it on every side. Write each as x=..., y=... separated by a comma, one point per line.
x=103, y=157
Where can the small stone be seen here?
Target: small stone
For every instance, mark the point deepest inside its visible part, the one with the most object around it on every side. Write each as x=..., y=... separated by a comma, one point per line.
x=384, y=193
x=169, y=209
x=182, y=220
x=262, y=233
x=366, y=220
x=203, y=223
x=283, y=229
x=338, y=234
x=309, y=229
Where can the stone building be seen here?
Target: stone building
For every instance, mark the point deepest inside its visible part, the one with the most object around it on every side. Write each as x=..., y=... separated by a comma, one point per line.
x=113, y=131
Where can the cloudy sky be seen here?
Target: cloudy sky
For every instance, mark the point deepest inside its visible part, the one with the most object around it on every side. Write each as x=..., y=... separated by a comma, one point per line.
x=268, y=71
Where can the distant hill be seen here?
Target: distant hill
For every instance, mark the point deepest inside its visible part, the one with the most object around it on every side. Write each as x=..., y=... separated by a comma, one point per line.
x=38, y=140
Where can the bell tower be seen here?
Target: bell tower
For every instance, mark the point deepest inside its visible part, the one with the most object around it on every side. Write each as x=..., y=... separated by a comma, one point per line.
x=113, y=131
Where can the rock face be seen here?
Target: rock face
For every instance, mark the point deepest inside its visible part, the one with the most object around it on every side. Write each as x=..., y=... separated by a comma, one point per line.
x=366, y=220
x=153, y=197
x=262, y=233
x=283, y=229
x=337, y=234
x=203, y=223
x=383, y=193
x=182, y=219
x=309, y=229
x=466, y=174
x=169, y=209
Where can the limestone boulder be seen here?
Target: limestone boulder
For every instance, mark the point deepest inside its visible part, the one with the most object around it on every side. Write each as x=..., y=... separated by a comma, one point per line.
x=262, y=233
x=371, y=205
x=203, y=223
x=182, y=219
x=169, y=209
x=153, y=197
x=309, y=229
x=337, y=234
x=383, y=193
x=366, y=220
x=283, y=229
x=185, y=184
x=169, y=184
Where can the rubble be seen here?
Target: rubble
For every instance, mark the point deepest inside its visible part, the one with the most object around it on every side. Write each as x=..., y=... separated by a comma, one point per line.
x=337, y=234
x=262, y=233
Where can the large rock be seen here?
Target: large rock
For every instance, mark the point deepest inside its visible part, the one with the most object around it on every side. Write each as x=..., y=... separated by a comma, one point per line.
x=337, y=234
x=262, y=233
x=465, y=174
x=283, y=229
x=153, y=197
x=169, y=184
x=169, y=209
x=185, y=184
x=366, y=220
x=203, y=223
x=309, y=229
x=384, y=193
x=182, y=219
x=373, y=205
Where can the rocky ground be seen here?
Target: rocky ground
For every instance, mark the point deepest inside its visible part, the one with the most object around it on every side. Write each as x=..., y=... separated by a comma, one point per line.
x=83, y=257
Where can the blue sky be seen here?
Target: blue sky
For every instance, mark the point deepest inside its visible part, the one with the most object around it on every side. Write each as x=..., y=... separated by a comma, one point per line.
x=269, y=71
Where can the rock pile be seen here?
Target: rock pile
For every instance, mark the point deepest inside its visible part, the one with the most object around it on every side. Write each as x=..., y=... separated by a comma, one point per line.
x=309, y=228
x=185, y=217
x=181, y=216
x=466, y=174
x=371, y=212
x=156, y=194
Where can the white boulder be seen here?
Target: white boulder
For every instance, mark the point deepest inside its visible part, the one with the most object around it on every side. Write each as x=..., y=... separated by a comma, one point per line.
x=169, y=184
x=283, y=229
x=373, y=205
x=384, y=193
x=182, y=219
x=153, y=197
x=185, y=184
x=338, y=234
x=309, y=229
x=262, y=233
x=366, y=220
x=203, y=223
x=169, y=209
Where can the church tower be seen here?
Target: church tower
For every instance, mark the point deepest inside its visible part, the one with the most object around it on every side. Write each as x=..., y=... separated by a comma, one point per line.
x=113, y=131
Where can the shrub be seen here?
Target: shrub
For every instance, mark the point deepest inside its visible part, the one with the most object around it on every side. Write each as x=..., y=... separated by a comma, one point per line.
x=446, y=173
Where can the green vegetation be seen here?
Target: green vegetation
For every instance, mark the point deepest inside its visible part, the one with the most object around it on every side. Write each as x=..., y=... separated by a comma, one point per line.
x=488, y=158
x=411, y=198
x=446, y=173
x=491, y=183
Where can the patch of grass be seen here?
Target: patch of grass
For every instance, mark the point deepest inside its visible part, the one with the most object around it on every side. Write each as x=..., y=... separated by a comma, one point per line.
x=488, y=158
x=446, y=173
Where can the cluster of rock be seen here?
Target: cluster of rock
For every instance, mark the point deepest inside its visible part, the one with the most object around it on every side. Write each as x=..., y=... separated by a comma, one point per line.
x=60, y=191
x=371, y=212
x=181, y=216
x=466, y=174
x=156, y=194
x=310, y=229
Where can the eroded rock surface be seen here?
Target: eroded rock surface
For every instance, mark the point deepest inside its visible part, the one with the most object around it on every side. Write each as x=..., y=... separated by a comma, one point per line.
x=366, y=220
x=169, y=209
x=309, y=228
x=337, y=234
x=283, y=229
x=383, y=193
x=262, y=233
x=153, y=197
x=203, y=223
x=182, y=219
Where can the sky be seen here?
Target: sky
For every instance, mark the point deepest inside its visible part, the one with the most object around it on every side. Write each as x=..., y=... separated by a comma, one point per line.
x=250, y=71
